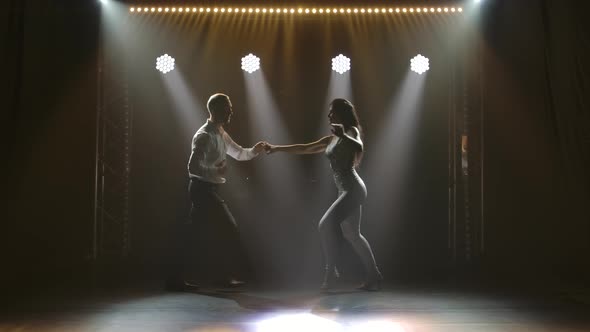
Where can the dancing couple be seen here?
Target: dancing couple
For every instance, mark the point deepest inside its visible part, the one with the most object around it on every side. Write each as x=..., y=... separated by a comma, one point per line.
x=344, y=149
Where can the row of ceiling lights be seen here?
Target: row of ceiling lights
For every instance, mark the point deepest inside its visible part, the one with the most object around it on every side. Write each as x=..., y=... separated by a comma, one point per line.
x=397, y=10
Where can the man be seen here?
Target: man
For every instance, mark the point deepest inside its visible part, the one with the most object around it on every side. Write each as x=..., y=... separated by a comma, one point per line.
x=210, y=215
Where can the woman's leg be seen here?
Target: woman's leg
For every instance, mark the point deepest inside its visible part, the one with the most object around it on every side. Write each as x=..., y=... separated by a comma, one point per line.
x=351, y=229
x=329, y=230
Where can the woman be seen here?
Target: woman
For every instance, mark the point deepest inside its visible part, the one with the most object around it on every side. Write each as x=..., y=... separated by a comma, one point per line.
x=344, y=149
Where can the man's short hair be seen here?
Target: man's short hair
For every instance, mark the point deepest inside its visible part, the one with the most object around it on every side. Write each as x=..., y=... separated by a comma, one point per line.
x=217, y=102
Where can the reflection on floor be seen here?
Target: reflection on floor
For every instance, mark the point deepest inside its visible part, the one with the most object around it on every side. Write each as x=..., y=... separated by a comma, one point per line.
x=392, y=309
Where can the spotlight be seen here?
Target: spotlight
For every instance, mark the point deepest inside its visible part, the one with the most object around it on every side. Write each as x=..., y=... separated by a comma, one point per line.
x=104, y=1
x=419, y=64
x=250, y=63
x=165, y=63
x=341, y=64
x=298, y=322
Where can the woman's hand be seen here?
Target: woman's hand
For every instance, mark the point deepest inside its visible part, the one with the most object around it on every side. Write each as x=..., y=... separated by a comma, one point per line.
x=337, y=129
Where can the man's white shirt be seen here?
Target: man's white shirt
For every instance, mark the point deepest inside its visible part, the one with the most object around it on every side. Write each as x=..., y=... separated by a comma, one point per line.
x=210, y=146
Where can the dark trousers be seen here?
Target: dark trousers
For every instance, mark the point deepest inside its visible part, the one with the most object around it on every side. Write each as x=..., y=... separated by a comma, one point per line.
x=208, y=245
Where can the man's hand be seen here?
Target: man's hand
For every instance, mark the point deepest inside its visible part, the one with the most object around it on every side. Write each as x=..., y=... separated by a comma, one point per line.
x=259, y=147
x=221, y=167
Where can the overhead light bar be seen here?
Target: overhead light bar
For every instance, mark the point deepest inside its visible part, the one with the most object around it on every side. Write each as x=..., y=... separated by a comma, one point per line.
x=296, y=10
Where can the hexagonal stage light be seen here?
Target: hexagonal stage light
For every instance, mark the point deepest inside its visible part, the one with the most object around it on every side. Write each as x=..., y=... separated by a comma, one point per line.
x=420, y=64
x=250, y=63
x=341, y=64
x=165, y=63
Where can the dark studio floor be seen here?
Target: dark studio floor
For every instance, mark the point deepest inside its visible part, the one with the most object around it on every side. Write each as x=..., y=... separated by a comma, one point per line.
x=395, y=308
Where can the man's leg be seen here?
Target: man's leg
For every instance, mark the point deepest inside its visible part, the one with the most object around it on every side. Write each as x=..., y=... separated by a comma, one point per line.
x=233, y=255
x=204, y=261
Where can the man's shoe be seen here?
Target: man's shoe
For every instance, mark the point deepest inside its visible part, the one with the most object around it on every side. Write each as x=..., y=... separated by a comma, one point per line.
x=231, y=283
x=181, y=286
x=190, y=286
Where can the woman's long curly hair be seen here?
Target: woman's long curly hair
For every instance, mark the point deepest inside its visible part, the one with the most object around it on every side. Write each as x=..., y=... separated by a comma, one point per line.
x=347, y=113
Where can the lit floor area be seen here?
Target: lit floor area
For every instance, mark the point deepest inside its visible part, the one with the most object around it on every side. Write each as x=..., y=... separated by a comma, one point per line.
x=392, y=309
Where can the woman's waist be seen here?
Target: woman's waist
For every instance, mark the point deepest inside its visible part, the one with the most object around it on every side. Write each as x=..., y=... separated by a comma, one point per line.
x=347, y=177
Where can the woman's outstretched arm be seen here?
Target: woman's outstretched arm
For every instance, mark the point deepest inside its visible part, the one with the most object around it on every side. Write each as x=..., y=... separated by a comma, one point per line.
x=318, y=146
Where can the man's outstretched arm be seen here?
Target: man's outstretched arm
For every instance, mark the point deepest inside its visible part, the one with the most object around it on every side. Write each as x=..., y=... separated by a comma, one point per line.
x=239, y=153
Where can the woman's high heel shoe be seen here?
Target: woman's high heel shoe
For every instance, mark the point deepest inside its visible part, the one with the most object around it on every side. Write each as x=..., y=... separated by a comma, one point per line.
x=373, y=284
x=330, y=276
